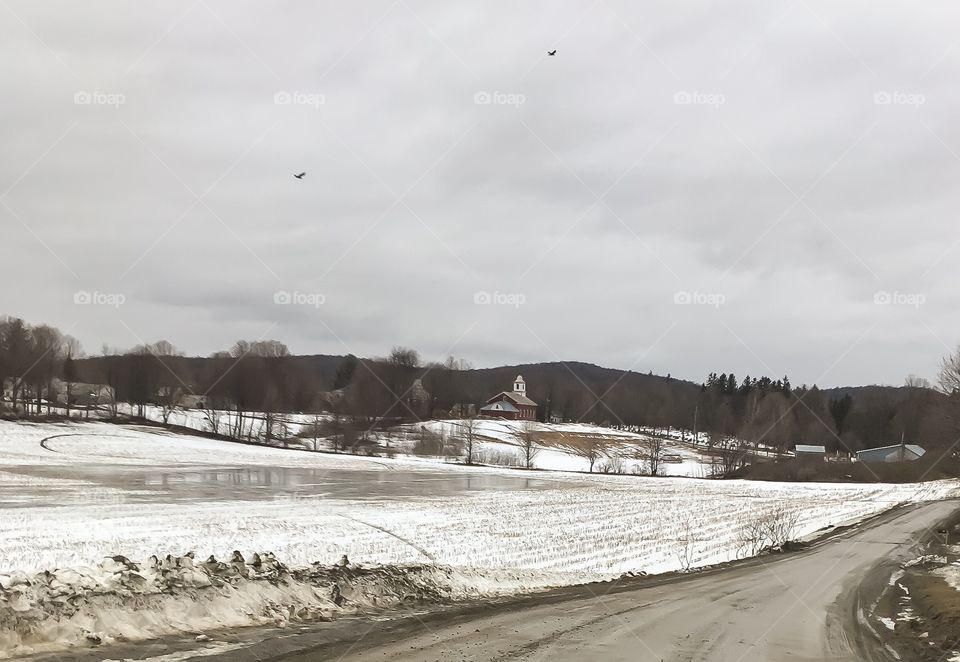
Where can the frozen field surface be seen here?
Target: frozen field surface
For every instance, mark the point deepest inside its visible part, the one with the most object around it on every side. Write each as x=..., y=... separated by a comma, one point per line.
x=73, y=494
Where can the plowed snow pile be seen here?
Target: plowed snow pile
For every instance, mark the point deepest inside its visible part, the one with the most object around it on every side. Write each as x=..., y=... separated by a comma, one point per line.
x=120, y=600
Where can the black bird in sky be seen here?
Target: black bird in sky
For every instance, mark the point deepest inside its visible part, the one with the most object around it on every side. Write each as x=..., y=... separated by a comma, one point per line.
x=553, y=52
x=300, y=176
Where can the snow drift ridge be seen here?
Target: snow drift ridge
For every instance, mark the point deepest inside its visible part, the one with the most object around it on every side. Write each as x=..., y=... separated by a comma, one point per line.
x=122, y=600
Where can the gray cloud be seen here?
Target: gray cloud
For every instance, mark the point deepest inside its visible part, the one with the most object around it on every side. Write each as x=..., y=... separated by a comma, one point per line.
x=697, y=127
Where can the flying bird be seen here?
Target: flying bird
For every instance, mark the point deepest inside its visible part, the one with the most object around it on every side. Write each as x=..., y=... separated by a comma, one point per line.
x=553, y=52
x=301, y=175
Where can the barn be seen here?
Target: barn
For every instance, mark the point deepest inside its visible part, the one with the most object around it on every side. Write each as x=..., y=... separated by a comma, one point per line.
x=808, y=453
x=895, y=453
x=513, y=405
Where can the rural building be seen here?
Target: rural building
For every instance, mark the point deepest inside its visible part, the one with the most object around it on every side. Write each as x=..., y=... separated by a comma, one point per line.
x=463, y=410
x=513, y=405
x=895, y=453
x=418, y=394
x=806, y=453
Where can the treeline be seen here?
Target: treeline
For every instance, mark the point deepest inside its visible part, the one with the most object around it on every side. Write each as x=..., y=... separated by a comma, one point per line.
x=773, y=412
x=40, y=367
x=728, y=384
x=31, y=358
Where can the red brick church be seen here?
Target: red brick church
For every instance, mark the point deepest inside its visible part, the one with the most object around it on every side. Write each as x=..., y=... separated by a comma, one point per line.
x=513, y=405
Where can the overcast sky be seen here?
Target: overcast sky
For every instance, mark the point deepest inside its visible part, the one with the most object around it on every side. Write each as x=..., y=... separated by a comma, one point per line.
x=763, y=187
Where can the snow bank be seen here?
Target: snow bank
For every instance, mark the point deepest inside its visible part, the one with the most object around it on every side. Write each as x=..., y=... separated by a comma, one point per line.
x=119, y=600
x=950, y=574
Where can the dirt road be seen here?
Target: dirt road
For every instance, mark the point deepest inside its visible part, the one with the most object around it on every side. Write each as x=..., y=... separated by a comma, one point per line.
x=793, y=607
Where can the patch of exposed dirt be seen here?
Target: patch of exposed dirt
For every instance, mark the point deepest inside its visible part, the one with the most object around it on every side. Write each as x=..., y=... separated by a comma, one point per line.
x=918, y=613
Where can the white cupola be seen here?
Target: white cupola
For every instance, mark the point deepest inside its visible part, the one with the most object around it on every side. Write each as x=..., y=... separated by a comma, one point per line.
x=519, y=386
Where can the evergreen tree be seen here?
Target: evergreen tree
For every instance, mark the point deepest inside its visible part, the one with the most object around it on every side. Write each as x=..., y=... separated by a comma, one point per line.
x=345, y=372
x=839, y=408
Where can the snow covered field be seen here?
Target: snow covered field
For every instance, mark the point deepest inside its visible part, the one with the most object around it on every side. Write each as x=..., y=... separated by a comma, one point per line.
x=497, y=440
x=95, y=490
x=199, y=419
x=74, y=495
x=560, y=441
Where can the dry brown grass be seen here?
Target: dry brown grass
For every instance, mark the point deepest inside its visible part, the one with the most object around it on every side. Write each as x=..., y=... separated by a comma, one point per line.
x=575, y=441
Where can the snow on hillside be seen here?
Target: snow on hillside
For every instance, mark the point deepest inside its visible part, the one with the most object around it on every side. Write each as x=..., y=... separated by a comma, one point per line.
x=497, y=440
x=198, y=419
x=558, y=443
x=94, y=490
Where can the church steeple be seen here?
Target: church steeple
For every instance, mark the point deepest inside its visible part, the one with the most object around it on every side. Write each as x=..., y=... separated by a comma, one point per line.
x=519, y=386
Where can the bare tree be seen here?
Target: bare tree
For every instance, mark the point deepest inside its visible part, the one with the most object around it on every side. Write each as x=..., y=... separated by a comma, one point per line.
x=159, y=348
x=340, y=430
x=468, y=436
x=262, y=348
x=429, y=442
x=751, y=536
x=948, y=383
x=213, y=418
x=526, y=437
x=654, y=455
x=949, y=378
x=589, y=449
x=348, y=435
x=684, y=550
x=453, y=363
x=15, y=359
x=404, y=357
x=169, y=399
x=72, y=349
x=315, y=430
x=781, y=524
x=108, y=395
x=45, y=351
x=730, y=455
x=613, y=465
x=915, y=382
x=772, y=528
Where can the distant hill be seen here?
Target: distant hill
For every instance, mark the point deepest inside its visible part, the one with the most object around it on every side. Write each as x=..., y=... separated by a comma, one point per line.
x=571, y=390
x=894, y=393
